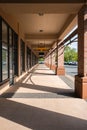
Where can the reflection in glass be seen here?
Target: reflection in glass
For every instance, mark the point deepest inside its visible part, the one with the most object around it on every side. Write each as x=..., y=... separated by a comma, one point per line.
x=4, y=61
x=4, y=52
x=15, y=53
x=22, y=56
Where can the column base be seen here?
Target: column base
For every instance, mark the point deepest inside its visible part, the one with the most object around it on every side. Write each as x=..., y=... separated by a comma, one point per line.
x=53, y=67
x=48, y=65
x=81, y=86
x=60, y=71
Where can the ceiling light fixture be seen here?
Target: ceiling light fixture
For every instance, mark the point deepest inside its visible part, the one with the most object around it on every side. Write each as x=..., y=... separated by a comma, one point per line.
x=40, y=14
x=41, y=30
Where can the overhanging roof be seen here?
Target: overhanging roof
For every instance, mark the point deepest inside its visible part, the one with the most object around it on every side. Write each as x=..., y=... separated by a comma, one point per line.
x=42, y=1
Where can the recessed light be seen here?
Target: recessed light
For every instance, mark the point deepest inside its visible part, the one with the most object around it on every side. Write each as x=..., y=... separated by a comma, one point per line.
x=41, y=30
x=40, y=14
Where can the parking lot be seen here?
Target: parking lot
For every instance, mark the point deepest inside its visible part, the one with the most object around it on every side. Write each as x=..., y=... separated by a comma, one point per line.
x=71, y=70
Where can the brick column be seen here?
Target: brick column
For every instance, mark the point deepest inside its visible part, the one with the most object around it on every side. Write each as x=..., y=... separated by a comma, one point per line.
x=81, y=78
x=47, y=61
x=60, y=61
x=53, y=66
x=50, y=60
x=25, y=58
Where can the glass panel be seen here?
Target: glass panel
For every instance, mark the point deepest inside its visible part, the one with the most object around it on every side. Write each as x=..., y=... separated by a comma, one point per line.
x=4, y=61
x=4, y=52
x=15, y=53
x=22, y=56
x=10, y=57
x=28, y=58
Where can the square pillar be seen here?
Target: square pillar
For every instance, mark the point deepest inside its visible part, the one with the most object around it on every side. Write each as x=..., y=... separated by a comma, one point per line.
x=47, y=61
x=81, y=78
x=50, y=60
x=25, y=57
x=60, y=60
x=53, y=65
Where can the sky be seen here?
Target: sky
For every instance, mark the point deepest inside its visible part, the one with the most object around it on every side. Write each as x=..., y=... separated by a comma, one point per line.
x=73, y=45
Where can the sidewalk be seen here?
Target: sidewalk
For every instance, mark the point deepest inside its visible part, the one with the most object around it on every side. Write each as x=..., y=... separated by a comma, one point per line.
x=42, y=101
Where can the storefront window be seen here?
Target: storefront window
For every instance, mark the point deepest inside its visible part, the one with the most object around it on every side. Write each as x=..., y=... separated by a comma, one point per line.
x=15, y=53
x=28, y=58
x=4, y=52
x=8, y=52
x=22, y=56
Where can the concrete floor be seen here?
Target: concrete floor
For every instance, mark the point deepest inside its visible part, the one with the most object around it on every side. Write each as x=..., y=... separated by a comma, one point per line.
x=42, y=101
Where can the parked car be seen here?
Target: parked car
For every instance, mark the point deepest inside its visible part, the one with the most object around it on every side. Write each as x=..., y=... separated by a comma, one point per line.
x=65, y=63
x=71, y=63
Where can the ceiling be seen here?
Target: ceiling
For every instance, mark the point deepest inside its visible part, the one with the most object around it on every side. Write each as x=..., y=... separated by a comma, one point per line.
x=43, y=23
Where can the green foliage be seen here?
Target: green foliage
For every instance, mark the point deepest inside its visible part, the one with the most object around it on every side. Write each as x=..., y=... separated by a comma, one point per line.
x=41, y=59
x=70, y=54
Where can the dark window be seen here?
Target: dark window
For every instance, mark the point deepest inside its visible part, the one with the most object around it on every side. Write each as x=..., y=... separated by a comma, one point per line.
x=4, y=51
x=33, y=59
x=22, y=56
x=41, y=53
x=15, y=53
x=0, y=49
x=8, y=52
x=28, y=58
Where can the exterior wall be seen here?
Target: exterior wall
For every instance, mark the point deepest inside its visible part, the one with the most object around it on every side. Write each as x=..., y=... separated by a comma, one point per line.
x=12, y=22
x=17, y=28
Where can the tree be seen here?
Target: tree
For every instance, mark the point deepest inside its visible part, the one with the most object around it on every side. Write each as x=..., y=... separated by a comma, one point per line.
x=70, y=54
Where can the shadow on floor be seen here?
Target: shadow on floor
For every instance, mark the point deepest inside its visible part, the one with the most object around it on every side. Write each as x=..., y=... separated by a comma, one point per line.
x=43, y=69
x=38, y=118
x=48, y=92
x=68, y=81
x=41, y=74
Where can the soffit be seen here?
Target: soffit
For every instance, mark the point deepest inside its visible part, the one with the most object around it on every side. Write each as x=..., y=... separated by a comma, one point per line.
x=54, y=20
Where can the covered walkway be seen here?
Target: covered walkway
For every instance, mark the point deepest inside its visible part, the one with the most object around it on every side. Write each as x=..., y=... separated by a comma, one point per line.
x=42, y=101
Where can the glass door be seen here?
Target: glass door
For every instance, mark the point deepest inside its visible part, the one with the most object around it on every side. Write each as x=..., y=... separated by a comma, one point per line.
x=22, y=56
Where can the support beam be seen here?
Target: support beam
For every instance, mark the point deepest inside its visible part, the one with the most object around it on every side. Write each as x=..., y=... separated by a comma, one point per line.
x=39, y=1
x=29, y=37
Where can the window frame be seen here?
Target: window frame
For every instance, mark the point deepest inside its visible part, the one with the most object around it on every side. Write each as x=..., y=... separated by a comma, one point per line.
x=1, y=43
